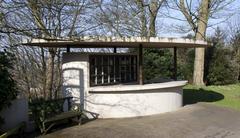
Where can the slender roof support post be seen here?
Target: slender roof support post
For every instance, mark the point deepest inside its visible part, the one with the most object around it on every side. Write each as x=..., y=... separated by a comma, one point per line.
x=140, y=64
x=175, y=64
x=68, y=48
x=115, y=50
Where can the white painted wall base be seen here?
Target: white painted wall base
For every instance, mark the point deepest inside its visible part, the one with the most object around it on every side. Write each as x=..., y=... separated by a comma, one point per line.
x=135, y=103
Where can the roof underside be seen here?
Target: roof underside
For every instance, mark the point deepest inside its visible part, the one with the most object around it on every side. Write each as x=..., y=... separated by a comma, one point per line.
x=119, y=42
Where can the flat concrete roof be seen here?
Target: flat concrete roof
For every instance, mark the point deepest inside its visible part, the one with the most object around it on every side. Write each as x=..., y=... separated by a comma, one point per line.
x=121, y=42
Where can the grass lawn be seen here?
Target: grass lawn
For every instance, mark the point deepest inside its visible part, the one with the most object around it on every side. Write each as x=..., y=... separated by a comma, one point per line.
x=227, y=95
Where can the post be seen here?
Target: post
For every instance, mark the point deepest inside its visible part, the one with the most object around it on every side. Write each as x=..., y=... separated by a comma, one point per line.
x=114, y=50
x=140, y=64
x=68, y=48
x=175, y=63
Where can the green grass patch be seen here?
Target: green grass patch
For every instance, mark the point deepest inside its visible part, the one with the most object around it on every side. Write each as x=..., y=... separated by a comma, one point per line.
x=227, y=95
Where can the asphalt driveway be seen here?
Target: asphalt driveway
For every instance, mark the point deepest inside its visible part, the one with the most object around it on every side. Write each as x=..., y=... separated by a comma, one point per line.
x=200, y=120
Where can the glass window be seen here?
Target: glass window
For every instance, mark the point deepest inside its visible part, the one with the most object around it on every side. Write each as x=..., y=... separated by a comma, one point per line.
x=112, y=69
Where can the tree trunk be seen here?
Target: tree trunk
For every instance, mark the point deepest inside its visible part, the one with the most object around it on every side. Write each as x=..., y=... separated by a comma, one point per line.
x=43, y=73
x=142, y=18
x=198, y=66
x=59, y=73
x=154, y=6
x=200, y=35
x=50, y=73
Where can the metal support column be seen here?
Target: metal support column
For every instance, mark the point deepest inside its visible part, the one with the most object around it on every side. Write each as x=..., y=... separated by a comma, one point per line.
x=140, y=65
x=68, y=49
x=175, y=63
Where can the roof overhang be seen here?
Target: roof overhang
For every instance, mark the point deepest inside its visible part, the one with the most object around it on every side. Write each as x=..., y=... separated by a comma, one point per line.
x=119, y=42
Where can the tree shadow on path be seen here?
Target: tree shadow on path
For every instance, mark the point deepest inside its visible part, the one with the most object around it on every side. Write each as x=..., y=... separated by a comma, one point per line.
x=192, y=96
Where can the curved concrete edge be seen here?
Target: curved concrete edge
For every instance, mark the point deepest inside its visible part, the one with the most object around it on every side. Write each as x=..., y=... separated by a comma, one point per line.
x=135, y=103
x=130, y=88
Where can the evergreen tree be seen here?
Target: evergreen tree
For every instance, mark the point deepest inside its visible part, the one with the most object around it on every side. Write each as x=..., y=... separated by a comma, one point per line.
x=220, y=68
x=158, y=63
x=8, y=90
x=235, y=41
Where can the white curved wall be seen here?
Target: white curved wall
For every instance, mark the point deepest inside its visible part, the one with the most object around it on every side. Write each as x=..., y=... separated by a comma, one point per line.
x=136, y=103
x=118, y=100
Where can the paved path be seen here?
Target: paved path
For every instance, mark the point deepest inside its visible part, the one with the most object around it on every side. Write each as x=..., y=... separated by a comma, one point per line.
x=193, y=121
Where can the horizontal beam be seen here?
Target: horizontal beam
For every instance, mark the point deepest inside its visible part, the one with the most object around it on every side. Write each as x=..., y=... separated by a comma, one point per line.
x=121, y=42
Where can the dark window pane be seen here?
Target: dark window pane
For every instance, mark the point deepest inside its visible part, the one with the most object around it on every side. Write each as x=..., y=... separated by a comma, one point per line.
x=122, y=77
x=105, y=78
x=127, y=61
x=92, y=80
x=99, y=79
x=92, y=61
x=111, y=60
x=92, y=70
x=122, y=60
x=111, y=69
x=111, y=78
x=99, y=70
x=98, y=60
x=105, y=60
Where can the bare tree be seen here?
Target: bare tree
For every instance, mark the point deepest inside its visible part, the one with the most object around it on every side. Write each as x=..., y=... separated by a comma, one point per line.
x=129, y=18
x=197, y=15
x=118, y=18
x=154, y=7
x=148, y=14
x=50, y=19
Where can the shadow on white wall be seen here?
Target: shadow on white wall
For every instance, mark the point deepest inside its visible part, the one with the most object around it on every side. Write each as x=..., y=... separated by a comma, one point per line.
x=73, y=86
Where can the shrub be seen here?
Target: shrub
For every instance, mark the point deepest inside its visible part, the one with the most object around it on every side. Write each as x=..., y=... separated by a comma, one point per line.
x=185, y=64
x=8, y=91
x=40, y=109
x=222, y=70
x=158, y=63
x=220, y=66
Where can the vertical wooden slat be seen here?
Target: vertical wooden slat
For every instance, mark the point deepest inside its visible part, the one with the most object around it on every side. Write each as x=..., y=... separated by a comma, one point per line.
x=140, y=64
x=114, y=50
x=175, y=63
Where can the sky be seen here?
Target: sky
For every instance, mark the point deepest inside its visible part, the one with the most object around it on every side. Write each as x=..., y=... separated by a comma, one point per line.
x=222, y=20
